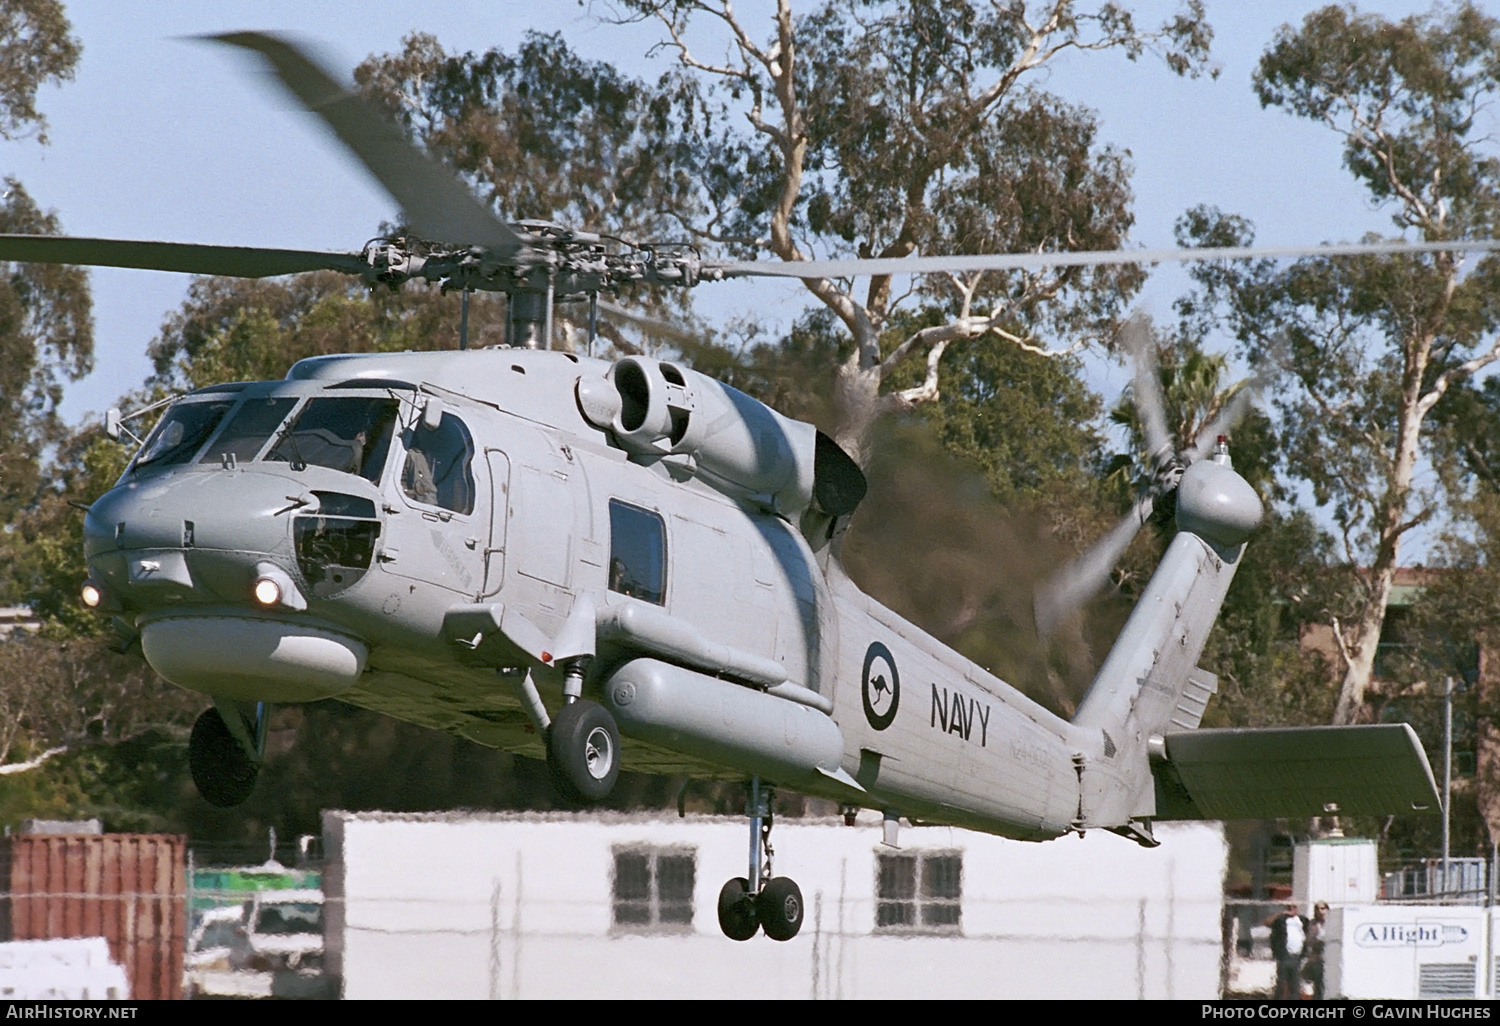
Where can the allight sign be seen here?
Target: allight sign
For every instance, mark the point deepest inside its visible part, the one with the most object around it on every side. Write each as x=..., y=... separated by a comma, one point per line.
x=1410, y=935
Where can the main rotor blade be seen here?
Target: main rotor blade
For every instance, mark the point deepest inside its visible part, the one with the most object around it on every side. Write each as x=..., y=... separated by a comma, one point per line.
x=436, y=204
x=236, y=261
x=1023, y=261
x=1062, y=595
x=649, y=324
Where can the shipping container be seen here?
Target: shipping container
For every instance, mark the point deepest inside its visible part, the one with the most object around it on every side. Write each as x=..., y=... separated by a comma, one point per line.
x=129, y=889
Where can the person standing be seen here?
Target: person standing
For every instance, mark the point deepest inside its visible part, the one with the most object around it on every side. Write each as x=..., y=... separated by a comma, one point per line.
x=1312, y=968
x=1288, y=945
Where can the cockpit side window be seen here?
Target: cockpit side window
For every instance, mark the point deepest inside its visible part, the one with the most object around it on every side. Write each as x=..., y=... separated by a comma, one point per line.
x=439, y=469
x=177, y=437
x=349, y=433
x=637, y=552
x=249, y=429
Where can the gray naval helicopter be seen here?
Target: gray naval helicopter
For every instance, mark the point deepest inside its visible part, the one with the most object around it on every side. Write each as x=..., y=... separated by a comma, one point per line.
x=629, y=563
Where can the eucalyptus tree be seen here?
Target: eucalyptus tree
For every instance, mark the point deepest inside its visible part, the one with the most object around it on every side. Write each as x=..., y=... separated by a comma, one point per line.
x=1369, y=347
x=890, y=129
x=36, y=49
x=46, y=326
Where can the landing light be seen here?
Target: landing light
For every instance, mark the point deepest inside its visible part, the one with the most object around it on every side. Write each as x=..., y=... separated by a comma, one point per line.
x=267, y=592
x=91, y=595
x=272, y=588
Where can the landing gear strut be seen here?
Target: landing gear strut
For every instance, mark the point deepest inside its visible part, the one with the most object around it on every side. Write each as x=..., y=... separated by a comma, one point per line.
x=224, y=760
x=761, y=900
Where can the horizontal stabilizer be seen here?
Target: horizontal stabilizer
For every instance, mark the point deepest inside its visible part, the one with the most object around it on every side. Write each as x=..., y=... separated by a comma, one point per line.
x=1268, y=773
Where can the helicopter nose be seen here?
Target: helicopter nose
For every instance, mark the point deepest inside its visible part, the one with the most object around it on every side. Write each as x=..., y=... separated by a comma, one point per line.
x=190, y=537
x=189, y=510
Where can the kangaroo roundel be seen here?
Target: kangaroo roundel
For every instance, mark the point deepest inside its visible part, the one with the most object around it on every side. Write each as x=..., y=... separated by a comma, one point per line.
x=882, y=686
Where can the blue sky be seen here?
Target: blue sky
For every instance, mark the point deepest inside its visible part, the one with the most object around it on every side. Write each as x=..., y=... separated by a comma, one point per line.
x=164, y=137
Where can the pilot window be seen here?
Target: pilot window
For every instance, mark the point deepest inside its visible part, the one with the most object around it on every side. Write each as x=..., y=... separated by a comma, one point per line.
x=637, y=552
x=185, y=427
x=439, y=468
x=249, y=429
x=921, y=891
x=653, y=888
x=350, y=433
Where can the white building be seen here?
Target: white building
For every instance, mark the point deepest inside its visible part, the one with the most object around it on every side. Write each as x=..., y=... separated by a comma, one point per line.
x=549, y=906
x=15, y=619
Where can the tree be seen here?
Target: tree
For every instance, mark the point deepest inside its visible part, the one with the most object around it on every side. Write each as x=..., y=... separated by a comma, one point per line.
x=1459, y=613
x=35, y=50
x=544, y=134
x=46, y=336
x=46, y=327
x=970, y=159
x=237, y=329
x=1370, y=347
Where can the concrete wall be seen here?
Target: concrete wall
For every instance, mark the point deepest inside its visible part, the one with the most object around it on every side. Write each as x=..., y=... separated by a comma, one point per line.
x=499, y=906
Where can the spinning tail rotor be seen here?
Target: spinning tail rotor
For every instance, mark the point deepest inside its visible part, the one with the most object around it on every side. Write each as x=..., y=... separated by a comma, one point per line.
x=1061, y=597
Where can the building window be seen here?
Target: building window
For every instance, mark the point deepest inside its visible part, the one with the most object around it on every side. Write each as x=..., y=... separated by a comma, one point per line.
x=637, y=552
x=920, y=891
x=653, y=888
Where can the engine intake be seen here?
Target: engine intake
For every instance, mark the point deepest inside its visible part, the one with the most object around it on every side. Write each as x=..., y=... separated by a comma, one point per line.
x=655, y=408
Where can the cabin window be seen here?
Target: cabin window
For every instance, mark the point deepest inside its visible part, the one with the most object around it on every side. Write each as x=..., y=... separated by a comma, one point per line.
x=350, y=434
x=653, y=889
x=637, y=552
x=439, y=468
x=919, y=891
x=179, y=434
x=249, y=429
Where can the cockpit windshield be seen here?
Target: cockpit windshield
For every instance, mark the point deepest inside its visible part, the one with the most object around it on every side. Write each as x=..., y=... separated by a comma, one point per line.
x=179, y=434
x=249, y=429
x=351, y=434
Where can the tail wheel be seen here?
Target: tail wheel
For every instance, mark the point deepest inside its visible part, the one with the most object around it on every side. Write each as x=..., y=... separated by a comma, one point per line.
x=737, y=915
x=222, y=770
x=583, y=749
x=779, y=906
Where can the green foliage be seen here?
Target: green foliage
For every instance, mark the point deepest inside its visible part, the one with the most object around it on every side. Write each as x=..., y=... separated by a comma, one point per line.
x=35, y=50
x=46, y=337
x=136, y=785
x=1364, y=340
x=544, y=134
x=1407, y=96
x=1285, y=587
x=44, y=565
x=1026, y=420
x=232, y=329
x=1370, y=349
x=1469, y=420
x=104, y=731
x=971, y=160
x=1027, y=174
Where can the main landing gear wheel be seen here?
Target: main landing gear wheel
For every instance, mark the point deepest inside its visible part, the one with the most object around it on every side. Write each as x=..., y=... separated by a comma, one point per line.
x=583, y=750
x=223, y=771
x=771, y=903
x=737, y=910
x=779, y=907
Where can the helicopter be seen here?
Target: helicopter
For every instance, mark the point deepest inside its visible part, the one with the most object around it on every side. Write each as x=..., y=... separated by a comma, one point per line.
x=628, y=563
